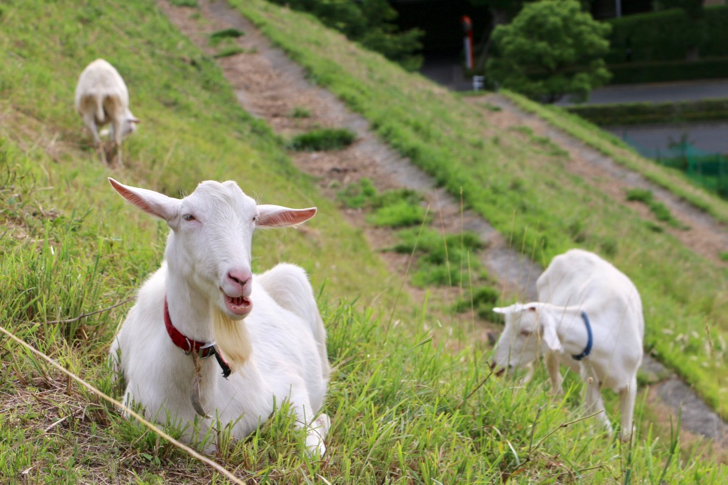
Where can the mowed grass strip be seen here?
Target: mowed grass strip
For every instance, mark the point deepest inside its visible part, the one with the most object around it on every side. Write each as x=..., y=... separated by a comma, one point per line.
x=519, y=184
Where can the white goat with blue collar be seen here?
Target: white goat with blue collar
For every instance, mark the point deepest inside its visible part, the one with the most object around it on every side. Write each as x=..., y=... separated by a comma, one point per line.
x=588, y=317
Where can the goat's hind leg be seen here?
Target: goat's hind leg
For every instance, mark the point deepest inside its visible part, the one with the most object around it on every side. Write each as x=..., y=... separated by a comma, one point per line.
x=627, y=397
x=90, y=122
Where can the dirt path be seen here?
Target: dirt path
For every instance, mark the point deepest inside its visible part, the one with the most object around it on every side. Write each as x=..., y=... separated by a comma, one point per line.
x=704, y=235
x=270, y=86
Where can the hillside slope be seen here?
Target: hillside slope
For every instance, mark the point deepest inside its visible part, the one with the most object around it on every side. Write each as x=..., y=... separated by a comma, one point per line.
x=403, y=409
x=517, y=181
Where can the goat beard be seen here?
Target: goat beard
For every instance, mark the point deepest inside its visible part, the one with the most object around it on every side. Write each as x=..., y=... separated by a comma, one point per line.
x=232, y=338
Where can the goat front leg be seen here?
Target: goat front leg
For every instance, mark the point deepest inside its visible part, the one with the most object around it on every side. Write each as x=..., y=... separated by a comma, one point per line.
x=552, y=365
x=316, y=429
x=594, y=403
x=627, y=398
x=116, y=133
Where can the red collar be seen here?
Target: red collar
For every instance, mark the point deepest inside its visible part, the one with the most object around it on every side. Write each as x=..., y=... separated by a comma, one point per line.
x=188, y=345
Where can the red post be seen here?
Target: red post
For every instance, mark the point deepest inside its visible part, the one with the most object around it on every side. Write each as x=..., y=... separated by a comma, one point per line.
x=468, y=30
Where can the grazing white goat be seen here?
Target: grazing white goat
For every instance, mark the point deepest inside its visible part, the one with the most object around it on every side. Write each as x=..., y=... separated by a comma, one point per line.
x=589, y=317
x=205, y=302
x=102, y=98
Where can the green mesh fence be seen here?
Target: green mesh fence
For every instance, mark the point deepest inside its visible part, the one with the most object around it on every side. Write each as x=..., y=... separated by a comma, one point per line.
x=707, y=169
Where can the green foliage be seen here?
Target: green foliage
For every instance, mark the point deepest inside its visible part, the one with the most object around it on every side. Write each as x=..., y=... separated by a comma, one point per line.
x=442, y=260
x=648, y=112
x=357, y=194
x=669, y=45
x=392, y=208
x=482, y=299
x=229, y=51
x=662, y=71
x=368, y=22
x=550, y=49
x=399, y=214
x=693, y=8
x=185, y=3
x=220, y=35
x=299, y=112
x=323, y=139
x=723, y=256
x=661, y=212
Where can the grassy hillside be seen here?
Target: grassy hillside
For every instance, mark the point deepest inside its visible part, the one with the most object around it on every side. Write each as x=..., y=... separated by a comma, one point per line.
x=403, y=409
x=517, y=181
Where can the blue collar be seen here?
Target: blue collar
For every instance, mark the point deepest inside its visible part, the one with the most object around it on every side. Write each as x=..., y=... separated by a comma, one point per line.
x=589, y=341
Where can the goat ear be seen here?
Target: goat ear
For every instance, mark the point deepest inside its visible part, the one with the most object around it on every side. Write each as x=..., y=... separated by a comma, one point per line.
x=516, y=307
x=149, y=201
x=278, y=216
x=549, y=335
x=135, y=120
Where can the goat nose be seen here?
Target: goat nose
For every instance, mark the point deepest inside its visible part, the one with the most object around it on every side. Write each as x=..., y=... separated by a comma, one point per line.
x=239, y=277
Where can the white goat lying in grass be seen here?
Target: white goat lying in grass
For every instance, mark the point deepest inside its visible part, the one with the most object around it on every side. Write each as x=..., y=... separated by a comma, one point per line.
x=589, y=317
x=267, y=327
x=102, y=98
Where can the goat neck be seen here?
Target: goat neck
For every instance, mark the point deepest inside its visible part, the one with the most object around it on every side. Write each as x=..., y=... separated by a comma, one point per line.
x=570, y=327
x=189, y=309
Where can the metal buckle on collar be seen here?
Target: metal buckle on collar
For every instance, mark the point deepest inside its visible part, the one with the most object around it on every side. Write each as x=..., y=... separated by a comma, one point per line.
x=189, y=347
x=204, y=348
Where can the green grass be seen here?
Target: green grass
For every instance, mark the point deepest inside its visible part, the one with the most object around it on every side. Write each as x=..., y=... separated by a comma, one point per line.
x=674, y=181
x=229, y=51
x=454, y=141
x=357, y=195
x=185, y=3
x=405, y=407
x=442, y=260
x=299, y=112
x=322, y=139
x=661, y=212
x=220, y=35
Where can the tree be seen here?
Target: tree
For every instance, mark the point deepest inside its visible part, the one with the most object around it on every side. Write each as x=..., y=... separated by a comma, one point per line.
x=550, y=49
x=501, y=12
x=368, y=22
x=694, y=8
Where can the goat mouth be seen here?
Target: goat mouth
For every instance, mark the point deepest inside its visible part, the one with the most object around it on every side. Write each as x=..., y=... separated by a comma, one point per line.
x=238, y=305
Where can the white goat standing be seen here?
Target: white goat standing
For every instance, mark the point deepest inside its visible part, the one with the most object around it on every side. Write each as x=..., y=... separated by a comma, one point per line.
x=267, y=326
x=102, y=98
x=589, y=317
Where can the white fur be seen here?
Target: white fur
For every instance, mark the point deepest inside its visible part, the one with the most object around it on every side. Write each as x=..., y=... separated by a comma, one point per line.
x=102, y=98
x=580, y=281
x=277, y=350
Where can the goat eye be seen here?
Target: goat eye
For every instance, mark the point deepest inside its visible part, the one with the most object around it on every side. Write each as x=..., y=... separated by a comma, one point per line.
x=526, y=333
x=188, y=217
x=255, y=218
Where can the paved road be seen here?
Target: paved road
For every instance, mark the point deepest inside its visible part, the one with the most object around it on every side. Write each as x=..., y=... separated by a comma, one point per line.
x=675, y=91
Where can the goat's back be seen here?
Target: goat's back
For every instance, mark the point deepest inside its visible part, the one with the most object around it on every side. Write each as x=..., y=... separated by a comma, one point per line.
x=581, y=278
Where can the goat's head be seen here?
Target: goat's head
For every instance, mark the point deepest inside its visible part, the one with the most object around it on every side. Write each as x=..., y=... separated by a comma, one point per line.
x=210, y=242
x=528, y=331
x=130, y=124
